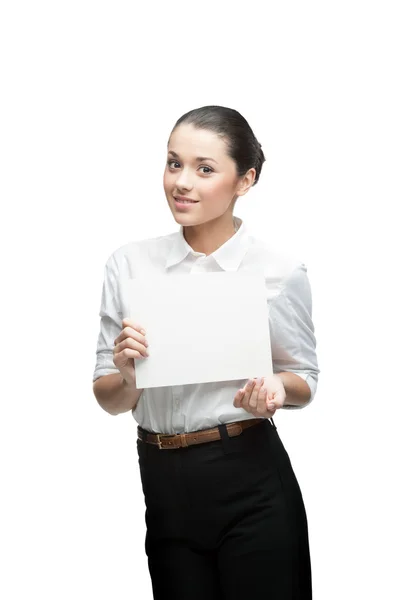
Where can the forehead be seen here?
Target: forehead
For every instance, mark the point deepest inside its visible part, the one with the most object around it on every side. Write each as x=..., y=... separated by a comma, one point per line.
x=191, y=141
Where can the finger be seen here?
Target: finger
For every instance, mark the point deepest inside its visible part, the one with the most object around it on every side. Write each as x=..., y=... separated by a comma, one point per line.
x=253, y=401
x=129, y=353
x=131, y=344
x=132, y=333
x=238, y=398
x=276, y=403
x=249, y=386
x=133, y=324
x=262, y=404
x=244, y=396
x=132, y=341
x=271, y=405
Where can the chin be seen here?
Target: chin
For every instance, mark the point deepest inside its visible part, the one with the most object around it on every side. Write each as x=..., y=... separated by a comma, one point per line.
x=184, y=219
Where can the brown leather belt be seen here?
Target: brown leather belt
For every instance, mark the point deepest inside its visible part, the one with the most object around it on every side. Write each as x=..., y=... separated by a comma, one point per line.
x=183, y=440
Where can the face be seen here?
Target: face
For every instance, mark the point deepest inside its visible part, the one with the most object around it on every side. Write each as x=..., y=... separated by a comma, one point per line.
x=212, y=181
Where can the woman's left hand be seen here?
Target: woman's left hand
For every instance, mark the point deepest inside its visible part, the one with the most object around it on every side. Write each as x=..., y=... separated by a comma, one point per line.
x=261, y=397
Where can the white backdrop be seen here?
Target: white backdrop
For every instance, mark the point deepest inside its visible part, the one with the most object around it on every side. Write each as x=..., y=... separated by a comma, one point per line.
x=90, y=93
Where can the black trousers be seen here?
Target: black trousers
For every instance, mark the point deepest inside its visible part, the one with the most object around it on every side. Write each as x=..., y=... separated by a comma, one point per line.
x=225, y=519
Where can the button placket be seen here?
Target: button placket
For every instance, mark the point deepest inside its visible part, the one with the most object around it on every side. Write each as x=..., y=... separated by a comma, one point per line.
x=176, y=394
x=199, y=266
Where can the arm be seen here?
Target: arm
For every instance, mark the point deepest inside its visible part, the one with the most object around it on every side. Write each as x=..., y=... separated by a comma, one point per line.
x=297, y=390
x=115, y=395
x=293, y=341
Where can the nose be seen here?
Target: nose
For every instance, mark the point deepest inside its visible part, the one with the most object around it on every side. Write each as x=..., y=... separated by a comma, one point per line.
x=183, y=181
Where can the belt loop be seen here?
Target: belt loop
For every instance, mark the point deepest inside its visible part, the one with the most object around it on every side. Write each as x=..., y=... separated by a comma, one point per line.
x=143, y=442
x=144, y=433
x=225, y=438
x=271, y=418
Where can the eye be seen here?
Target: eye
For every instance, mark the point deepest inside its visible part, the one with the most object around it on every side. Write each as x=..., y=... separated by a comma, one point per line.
x=171, y=162
x=210, y=170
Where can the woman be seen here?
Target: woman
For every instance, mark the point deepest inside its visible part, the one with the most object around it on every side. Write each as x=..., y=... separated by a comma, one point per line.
x=224, y=512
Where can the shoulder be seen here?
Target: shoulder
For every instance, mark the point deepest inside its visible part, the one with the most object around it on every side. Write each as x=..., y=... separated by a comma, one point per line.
x=282, y=269
x=149, y=250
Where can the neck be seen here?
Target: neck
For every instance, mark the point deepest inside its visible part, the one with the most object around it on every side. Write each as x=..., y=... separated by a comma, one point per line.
x=208, y=237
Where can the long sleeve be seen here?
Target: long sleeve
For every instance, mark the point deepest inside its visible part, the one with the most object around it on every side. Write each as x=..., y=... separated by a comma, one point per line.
x=292, y=331
x=111, y=320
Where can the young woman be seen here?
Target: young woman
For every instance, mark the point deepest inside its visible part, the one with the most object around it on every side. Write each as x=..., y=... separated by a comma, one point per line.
x=224, y=512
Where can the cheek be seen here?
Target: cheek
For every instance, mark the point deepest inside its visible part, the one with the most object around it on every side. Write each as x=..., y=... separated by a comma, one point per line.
x=217, y=190
x=166, y=180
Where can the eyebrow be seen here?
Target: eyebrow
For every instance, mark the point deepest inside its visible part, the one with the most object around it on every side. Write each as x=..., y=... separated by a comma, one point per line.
x=199, y=158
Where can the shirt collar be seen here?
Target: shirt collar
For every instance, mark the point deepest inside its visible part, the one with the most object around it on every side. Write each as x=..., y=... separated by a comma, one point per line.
x=228, y=256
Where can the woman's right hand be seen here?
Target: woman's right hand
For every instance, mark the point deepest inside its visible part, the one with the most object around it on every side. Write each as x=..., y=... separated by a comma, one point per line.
x=129, y=345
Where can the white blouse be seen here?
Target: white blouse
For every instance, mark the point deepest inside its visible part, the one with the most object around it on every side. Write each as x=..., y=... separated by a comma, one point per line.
x=185, y=408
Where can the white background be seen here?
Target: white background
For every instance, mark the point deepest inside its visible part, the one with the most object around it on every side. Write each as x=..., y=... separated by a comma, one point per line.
x=90, y=93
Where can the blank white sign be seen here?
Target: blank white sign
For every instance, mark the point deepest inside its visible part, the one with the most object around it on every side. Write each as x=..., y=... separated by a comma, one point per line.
x=204, y=327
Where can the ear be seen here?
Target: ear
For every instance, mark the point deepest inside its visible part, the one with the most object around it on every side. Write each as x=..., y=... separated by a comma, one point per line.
x=246, y=182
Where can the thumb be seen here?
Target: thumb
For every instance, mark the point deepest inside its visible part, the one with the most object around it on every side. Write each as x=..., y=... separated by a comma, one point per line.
x=270, y=402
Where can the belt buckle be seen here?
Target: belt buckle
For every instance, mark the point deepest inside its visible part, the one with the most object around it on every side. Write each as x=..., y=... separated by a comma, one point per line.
x=159, y=442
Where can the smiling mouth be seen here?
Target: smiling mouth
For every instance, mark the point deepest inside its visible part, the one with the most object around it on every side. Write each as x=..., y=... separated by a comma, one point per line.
x=185, y=201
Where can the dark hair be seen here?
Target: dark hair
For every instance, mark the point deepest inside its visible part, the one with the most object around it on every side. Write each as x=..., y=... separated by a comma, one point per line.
x=230, y=125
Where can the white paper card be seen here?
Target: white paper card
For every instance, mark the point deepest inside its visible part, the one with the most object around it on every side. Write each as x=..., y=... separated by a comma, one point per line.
x=203, y=327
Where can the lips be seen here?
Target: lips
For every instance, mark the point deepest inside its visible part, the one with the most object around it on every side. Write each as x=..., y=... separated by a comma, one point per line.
x=184, y=199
